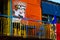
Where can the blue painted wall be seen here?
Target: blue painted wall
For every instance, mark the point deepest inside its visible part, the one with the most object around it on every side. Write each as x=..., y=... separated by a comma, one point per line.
x=50, y=8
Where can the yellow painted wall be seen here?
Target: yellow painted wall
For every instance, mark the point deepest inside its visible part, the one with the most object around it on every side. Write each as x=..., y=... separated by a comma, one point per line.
x=6, y=21
x=8, y=27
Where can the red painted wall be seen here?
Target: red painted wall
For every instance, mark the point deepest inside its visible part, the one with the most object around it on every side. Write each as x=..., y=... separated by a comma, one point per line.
x=58, y=31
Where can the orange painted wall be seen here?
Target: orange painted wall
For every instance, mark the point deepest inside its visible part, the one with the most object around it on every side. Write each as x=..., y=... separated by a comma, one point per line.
x=33, y=10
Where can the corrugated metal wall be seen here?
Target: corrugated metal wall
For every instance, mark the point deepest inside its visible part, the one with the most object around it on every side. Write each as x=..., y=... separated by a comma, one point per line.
x=50, y=8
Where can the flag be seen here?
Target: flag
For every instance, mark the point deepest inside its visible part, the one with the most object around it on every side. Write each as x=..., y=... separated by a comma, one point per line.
x=54, y=20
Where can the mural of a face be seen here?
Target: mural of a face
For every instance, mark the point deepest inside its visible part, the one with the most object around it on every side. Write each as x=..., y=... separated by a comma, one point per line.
x=20, y=12
x=22, y=9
